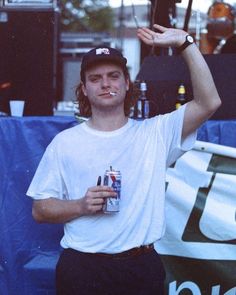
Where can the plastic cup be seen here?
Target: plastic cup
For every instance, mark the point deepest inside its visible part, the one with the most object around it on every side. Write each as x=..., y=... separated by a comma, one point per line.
x=17, y=107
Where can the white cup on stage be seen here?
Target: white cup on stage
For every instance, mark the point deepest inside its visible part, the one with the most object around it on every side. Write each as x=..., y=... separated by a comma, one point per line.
x=17, y=107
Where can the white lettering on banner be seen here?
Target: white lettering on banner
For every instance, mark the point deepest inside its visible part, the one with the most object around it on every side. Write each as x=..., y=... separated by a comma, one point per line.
x=222, y=228
x=186, y=285
x=215, y=290
x=231, y=291
x=201, y=196
x=193, y=287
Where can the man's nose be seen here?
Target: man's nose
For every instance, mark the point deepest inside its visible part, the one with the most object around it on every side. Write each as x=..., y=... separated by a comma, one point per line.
x=105, y=82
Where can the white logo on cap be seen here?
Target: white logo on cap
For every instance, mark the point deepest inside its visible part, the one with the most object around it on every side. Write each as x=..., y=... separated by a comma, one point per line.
x=102, y=51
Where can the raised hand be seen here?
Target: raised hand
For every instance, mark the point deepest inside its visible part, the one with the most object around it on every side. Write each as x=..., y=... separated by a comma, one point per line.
x=166, y=37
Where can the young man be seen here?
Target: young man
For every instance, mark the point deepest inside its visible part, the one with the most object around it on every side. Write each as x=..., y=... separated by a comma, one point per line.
x=114, y=253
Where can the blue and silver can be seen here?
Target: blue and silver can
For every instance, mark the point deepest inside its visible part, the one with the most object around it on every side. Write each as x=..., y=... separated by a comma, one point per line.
x=112, y=178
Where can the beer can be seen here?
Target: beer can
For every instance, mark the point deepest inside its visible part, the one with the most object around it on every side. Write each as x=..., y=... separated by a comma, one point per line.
x=112, y=178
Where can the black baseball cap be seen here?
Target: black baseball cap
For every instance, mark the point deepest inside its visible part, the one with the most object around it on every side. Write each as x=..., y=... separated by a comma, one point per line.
x=102, y=53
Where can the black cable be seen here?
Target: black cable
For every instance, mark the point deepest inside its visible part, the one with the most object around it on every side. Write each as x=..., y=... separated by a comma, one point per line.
x=188, y=15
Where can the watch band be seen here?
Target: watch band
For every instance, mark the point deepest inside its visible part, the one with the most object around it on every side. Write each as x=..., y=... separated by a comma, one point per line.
x=188, y=41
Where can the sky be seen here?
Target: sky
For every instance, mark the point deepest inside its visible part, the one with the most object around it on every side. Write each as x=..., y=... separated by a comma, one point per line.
x=202, y=5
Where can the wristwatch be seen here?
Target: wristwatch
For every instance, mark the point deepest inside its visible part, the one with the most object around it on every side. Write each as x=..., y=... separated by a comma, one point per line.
x=188, y=41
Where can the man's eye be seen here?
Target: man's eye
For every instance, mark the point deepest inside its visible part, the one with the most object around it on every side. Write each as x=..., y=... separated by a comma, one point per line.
x=94, y=79
x=114, y=76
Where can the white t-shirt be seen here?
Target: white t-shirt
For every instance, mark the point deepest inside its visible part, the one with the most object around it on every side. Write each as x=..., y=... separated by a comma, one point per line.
x=141, y=151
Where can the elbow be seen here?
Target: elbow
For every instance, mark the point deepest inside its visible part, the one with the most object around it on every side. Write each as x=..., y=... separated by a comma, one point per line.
x=37, y=213
x=218, y=103
x=214, y=106
x=36, y=216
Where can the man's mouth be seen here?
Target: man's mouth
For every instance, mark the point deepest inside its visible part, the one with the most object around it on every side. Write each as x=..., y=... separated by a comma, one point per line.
x=110, y=93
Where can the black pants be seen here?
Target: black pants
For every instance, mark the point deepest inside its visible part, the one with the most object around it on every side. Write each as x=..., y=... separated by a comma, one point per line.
x=80, y=273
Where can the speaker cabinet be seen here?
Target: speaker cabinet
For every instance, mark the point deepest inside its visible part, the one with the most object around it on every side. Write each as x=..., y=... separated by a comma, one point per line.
x=163, y=75
x=29, y=57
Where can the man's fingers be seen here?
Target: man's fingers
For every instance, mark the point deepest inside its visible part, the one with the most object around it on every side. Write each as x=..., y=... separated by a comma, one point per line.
x=160, y=28
x=100, y=188
x=101, y=192
x=105, y=194
x=145, y=33
x=95, y=198
x=147, y=36
x=98, y=201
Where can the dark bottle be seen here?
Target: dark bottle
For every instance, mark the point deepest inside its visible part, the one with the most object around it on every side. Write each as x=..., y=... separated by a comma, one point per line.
x=181, y=97
x=146, y=104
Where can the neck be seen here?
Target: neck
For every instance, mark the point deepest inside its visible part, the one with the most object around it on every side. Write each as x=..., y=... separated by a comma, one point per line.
x=107, y=121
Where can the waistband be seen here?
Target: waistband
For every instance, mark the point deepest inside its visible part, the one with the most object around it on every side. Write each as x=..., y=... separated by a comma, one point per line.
x=129, y=253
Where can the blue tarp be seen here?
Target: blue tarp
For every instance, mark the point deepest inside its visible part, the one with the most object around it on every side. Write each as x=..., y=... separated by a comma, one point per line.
x=219, y=132
x=29, y=251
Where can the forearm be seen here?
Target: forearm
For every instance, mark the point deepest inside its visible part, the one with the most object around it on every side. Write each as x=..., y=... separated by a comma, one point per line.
x=205, y=94
x=54, y=210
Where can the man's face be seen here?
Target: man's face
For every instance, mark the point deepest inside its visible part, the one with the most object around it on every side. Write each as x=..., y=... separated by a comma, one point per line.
x=101, y=81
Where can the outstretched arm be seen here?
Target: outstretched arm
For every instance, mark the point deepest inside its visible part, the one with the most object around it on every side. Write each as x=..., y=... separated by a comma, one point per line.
x=205, y=96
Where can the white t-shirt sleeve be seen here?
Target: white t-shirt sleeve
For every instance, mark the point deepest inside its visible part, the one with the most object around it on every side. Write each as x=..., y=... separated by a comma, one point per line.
x=171, y=130
x=47, y=181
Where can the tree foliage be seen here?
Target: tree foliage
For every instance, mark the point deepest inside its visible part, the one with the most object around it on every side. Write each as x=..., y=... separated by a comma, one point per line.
x=86, y=16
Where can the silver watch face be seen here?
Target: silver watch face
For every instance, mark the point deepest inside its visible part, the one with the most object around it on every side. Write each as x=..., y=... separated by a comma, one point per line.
x=189, y=39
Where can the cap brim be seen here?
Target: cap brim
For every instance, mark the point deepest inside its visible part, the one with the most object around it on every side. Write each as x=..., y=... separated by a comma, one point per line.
x=104, y=58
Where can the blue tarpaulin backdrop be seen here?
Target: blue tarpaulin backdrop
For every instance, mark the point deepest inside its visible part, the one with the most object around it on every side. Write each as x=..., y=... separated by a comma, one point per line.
x=29, y=251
